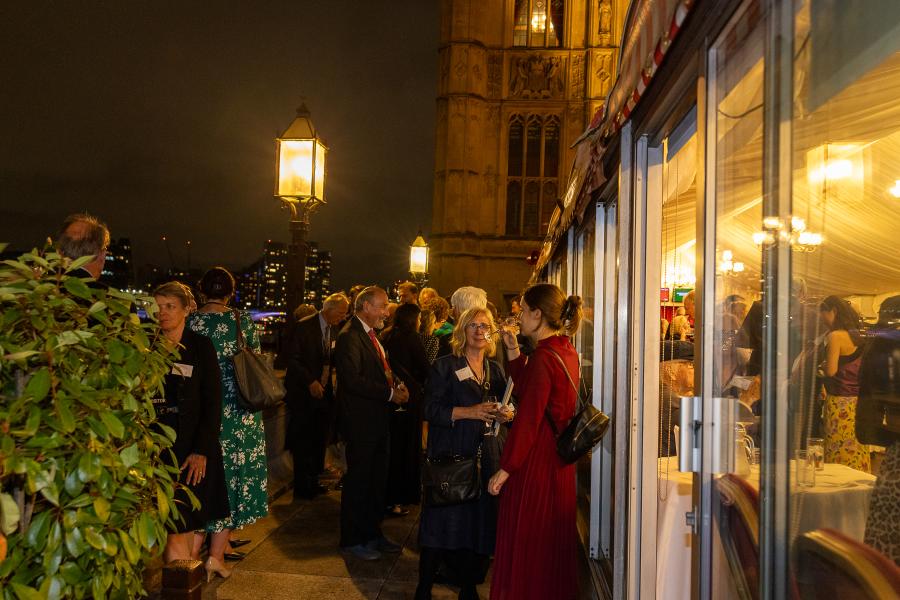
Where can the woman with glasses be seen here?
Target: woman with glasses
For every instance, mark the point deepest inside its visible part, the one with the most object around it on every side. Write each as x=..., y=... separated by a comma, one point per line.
x=458, y=412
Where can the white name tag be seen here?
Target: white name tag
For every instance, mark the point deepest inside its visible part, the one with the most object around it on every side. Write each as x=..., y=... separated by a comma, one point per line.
x=465, y=373
x=183, y=370
x=333, y=343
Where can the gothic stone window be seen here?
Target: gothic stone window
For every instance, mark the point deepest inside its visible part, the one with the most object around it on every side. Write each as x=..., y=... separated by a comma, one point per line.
x=532, y=174
x=539, y=23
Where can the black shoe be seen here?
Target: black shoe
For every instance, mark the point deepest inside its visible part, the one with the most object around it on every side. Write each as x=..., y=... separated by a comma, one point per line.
x=422, y=593
x=235, y=555
x=468, y=593
x=238, y=543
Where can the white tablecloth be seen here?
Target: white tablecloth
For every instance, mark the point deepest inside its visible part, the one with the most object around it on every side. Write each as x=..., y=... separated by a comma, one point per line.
x=839, y=500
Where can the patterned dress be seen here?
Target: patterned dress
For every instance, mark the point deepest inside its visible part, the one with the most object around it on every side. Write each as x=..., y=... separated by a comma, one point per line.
x=242, y=435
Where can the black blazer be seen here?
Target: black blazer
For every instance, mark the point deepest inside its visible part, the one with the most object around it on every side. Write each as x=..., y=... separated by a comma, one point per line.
x=198, y=398
x=363, y=392
x=306, y=357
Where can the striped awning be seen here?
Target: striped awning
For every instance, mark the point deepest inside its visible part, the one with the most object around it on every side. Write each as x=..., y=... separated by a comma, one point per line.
x=651, y=28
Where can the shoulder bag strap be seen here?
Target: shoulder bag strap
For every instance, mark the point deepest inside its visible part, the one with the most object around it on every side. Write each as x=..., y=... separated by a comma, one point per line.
x=240, y=333
x=574, y=387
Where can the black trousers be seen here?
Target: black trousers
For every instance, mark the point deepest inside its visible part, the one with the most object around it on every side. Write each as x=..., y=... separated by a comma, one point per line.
x=310, y=429
x=363, y=497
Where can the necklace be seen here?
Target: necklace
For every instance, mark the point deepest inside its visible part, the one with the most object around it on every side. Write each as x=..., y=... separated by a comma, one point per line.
x=478, y=380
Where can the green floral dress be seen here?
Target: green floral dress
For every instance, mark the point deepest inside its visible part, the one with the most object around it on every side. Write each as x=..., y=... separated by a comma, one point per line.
x=242, y=435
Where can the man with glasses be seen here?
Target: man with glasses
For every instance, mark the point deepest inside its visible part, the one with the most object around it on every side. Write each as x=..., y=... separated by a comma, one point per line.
x=367, y=393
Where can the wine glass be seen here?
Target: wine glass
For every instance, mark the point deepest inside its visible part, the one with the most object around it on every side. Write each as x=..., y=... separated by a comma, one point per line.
x=492, y=400
x=399, y=407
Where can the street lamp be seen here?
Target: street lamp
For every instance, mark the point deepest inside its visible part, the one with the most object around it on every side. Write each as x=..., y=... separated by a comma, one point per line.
x=418, y=259
x=300, y=185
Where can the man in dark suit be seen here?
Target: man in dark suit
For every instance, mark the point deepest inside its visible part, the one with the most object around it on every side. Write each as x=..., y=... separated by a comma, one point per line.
x=84, y=235
x=367, y=394
x=310, y=392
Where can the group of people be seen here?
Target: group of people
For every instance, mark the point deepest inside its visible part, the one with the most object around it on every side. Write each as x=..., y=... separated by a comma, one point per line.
x=421, y=378
x=393, y=383
x=219, y=445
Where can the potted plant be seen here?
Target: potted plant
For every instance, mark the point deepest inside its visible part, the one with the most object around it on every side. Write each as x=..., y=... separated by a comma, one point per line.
x=86, y=480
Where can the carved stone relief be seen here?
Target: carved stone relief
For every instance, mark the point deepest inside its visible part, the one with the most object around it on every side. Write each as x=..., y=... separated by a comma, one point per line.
x=495, y=75
x=536, y=77
x=602, y=72
x=604, y=27
x=577, y=77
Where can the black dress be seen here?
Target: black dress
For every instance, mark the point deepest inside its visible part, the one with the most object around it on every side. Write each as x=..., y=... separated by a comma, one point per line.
x=192, y=407
x=473, y=525
x=409, y=363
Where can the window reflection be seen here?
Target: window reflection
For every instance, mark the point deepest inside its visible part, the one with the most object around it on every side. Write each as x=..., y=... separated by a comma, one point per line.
x=843, y=237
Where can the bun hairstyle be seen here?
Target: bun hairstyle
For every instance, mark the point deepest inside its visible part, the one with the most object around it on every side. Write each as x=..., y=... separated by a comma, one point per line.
x=218, y=282
x=561, y=313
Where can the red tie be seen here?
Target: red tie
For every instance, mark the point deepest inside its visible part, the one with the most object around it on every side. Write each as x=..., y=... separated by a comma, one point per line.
x=384, y=362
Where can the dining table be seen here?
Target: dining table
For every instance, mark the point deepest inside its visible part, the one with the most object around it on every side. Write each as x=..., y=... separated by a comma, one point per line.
x=839, y=500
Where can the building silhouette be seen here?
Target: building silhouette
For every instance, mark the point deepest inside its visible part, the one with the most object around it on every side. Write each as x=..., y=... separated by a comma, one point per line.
x=263, y=285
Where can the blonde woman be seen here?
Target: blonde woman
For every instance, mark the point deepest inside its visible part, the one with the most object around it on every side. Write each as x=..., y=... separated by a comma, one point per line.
x=456, y=409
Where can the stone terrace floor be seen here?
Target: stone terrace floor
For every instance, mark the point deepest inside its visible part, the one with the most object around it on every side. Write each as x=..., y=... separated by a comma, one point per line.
x=294, y=554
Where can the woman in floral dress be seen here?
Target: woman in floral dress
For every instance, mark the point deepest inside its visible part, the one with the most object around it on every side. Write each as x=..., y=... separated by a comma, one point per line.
x=242, y=435
x=843, y=351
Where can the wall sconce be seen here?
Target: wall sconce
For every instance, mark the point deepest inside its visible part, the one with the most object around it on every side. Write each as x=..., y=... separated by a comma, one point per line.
x=895, y=191
x=728, y=265
x=798, y=237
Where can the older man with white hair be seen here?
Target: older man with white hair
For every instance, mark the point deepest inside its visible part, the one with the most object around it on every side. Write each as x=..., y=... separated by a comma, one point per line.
x=461, y=300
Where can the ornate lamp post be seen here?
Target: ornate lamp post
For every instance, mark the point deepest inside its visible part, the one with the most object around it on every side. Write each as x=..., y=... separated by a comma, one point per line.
x=418, y=260
x=300, y=184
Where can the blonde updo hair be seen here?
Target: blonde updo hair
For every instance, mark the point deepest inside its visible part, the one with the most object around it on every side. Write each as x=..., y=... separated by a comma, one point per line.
x=561, y=314
x=176, y=289
x=458, y=337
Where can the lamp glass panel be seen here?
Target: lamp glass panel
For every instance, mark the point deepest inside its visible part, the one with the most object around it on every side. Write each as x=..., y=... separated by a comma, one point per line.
x=418, y=259
x=295, y=168
x=321, y=151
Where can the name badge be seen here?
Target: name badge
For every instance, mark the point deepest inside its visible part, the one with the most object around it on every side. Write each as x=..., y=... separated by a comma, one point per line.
x=333, y=344
x=183, y=370
x=465, y=373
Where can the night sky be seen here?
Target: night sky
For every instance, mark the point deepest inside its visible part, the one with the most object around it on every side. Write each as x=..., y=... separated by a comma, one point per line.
x=160, y=118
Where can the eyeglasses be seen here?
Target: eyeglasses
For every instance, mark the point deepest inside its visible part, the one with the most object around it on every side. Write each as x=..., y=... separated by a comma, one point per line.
x=478, y=327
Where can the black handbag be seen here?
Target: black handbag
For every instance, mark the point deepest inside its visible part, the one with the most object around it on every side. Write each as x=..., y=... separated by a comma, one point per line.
x=258, y=385
x=585, y=429
x=451, y=480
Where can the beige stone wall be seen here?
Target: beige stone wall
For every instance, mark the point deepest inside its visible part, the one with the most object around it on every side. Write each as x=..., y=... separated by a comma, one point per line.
x=483, y=80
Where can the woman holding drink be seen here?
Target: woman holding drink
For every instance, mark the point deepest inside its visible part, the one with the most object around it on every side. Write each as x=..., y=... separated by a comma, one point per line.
x=460, y=405
x=536, y=537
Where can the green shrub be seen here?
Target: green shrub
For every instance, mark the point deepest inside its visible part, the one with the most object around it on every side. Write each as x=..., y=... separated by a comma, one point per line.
x=85, y=474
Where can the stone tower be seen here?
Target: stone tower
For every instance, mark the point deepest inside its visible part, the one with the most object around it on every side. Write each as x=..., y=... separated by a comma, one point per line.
x=518, y=82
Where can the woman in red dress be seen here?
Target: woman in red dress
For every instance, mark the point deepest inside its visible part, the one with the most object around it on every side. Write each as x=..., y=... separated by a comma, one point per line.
x=536, y=549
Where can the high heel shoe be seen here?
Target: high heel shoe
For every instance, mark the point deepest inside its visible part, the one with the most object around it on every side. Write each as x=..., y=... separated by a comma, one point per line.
x=214, y=567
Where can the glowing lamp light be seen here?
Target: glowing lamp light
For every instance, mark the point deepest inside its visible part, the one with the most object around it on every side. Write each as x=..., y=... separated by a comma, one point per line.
x=808, y=238
x=833, y=170
x=418, y=256
x=300, y=161
x=895, y=191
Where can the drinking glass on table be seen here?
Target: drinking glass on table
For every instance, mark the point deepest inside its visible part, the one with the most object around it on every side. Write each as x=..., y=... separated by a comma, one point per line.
x=816, y=449
x=806, y=469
